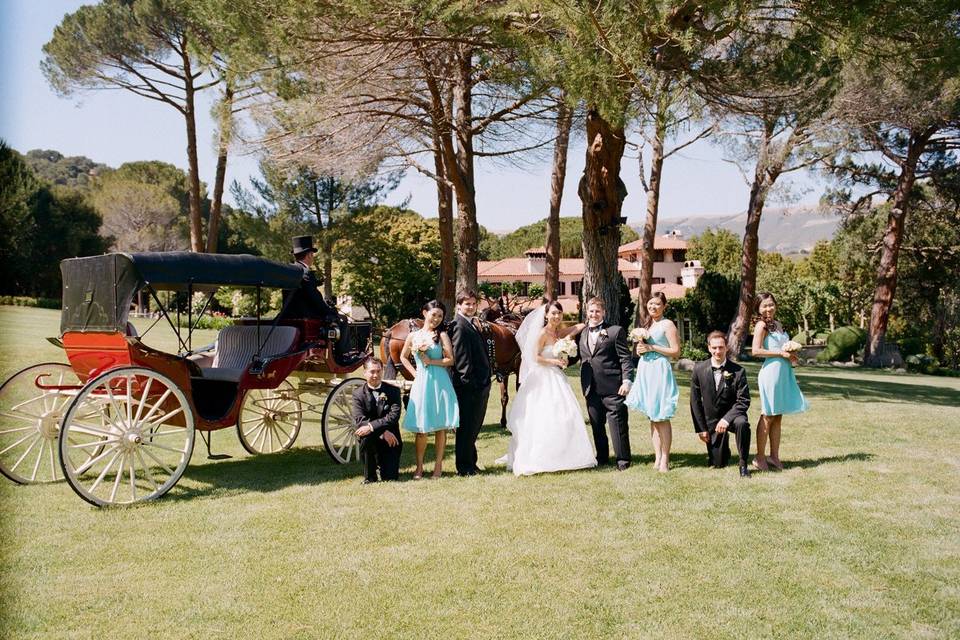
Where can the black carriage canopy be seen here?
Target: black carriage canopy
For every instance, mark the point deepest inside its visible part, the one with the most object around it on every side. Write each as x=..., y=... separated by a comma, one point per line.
x=98, y=291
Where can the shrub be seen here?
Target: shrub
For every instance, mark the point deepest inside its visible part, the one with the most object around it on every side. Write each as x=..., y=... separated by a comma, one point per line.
x=843, y=344
x=27, y=301
x=693, y=353
x=921, y=363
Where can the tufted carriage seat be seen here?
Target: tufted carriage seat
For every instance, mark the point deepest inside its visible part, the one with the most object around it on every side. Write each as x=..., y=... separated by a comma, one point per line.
x=236, y=347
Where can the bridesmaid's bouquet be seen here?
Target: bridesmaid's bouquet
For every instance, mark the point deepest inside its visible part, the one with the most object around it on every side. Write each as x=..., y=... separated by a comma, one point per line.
x=639, y=335
x=565, y=348
x=792, y=346
x=421, y=341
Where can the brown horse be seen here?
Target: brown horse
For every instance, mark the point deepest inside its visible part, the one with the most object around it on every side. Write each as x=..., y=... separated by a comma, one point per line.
x=501, y=345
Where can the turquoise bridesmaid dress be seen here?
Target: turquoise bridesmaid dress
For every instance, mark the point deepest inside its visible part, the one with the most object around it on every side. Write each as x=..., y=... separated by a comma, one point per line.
x=779, y=392
x=433, y=403
x=654, y=392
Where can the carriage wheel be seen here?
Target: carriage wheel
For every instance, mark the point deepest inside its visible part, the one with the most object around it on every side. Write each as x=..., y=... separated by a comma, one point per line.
x=144, y=436
x=339, y=429
x=270, y=419
x=30, y=421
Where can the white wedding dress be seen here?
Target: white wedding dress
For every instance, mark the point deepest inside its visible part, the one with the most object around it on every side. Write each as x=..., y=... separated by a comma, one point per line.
x=545, y=420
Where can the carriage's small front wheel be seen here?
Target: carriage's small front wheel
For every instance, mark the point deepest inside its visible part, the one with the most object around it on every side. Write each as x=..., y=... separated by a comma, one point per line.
x=339, y=429
x=270, y=419
x=32, y=404
x=143, y=435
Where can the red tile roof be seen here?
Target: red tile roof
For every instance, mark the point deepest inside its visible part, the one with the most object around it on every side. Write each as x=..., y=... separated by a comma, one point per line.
x=670, y=289
x=660, y=242
x=517, y=268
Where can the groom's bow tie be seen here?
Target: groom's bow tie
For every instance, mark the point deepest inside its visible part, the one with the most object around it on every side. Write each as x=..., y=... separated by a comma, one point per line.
x=595, y=328
x=720, y=368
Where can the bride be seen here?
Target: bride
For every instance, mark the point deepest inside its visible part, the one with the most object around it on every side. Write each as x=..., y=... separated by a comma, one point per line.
x=546, y=421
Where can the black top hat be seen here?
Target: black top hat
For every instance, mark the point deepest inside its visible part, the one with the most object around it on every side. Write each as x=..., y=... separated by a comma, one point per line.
x=303, y=244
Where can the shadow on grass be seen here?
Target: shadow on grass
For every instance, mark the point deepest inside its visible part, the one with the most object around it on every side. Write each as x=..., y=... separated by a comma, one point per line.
x=808, y=463
x=876, y=391
x=301, y=466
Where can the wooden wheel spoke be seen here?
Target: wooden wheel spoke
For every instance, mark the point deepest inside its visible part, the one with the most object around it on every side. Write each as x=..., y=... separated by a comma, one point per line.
x=143, y=401
x=157, y=423
x=146, y=471
x=20, y=406
x=36, y=466
x=158, y=461
x=17, y=430
x=164, y=447
x=92, y=461
x=103, y=473
x=89, y=445
x=157, y=404
x=117, y=479
x=23, y=439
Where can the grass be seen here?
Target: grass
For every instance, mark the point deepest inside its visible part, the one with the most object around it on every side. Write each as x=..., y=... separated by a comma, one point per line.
x=858, y=537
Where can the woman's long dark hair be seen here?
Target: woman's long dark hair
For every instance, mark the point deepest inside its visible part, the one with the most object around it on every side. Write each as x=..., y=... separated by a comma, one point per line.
x=663, y=299
x=552, y=304
x=762, y=297
x=430, y=306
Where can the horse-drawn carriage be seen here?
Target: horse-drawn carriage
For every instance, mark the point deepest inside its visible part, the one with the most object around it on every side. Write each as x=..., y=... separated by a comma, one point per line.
x=119, y=421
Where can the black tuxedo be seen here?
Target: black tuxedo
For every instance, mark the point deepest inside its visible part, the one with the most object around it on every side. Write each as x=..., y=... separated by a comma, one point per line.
x=306, y=301
x=380, y=408
x=709, y=404
x=471, y=381
x=602, y=372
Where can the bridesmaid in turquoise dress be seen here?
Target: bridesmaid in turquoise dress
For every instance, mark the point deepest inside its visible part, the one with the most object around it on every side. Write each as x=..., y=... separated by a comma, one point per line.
x=654, y=392
x=779, y=392
x=432, y=407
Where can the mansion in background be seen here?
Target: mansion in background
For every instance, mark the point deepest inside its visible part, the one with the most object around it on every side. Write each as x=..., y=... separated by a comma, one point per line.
x=673, y=274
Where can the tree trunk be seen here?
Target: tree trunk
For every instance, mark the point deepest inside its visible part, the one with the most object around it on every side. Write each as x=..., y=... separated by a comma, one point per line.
x=467, y=231
x=890, y=251
x=558, y=176
x=601, y=195
x=650, y=225
x=328, y=265
x=213, y=227
x=189, y=113
x=447, y=286
x=770, y=162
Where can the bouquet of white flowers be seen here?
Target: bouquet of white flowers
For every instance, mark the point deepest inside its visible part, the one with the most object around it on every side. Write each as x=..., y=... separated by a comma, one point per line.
x=639, y=334
x=791, y=346
x=421, y=341
x=565, y=348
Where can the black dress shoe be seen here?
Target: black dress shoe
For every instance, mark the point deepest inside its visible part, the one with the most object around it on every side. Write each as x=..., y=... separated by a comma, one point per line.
x=622, y=465
x=368, y=481
x=744, y=471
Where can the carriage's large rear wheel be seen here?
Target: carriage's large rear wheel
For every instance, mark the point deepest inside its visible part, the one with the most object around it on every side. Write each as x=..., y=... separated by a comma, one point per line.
x=143, y=437
x=270, y=419
x=338, y=427
x=31, y=408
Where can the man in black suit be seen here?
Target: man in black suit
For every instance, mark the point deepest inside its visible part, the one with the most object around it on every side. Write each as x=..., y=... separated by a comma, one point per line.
x=376, y=411
x=307, y=301
x=606, y=372
x=719, y=399
x=471, y=379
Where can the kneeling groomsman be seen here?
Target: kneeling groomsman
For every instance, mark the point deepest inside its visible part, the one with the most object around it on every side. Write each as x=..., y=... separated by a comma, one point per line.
x=719, y=399
x=376, y=411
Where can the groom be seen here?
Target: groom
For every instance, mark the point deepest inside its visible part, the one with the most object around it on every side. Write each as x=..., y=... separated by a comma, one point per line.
x=719, y=399
x=471, y=379
x=605, y=372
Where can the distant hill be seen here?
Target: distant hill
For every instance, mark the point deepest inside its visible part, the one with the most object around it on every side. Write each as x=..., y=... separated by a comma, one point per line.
x=514, y=243
x=784, y=230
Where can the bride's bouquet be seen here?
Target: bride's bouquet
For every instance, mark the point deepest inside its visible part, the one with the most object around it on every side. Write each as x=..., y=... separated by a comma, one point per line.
x=791, y=346
x=565, y=348
x=421, y=341
x=639, y=334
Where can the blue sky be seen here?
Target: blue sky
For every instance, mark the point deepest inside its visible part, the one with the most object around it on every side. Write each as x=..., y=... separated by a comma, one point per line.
x=114, y=127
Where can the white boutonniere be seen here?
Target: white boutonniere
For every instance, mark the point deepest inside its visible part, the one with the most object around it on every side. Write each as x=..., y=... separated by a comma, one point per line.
x=603, y=334
x=727, y=376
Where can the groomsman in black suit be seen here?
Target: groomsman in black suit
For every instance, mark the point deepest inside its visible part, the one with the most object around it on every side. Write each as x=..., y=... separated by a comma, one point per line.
x=376, y=411
x=719, y=399
x=471, y=379
x=606, y=372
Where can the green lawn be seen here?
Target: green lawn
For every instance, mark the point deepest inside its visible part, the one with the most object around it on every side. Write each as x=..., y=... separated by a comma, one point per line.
x=858, y=537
